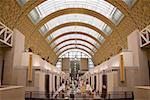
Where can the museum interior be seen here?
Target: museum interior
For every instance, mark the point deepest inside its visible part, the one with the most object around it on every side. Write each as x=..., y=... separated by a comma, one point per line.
x=75, y=49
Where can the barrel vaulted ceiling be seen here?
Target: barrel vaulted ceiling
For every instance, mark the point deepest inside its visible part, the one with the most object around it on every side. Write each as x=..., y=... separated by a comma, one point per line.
x=97, y=27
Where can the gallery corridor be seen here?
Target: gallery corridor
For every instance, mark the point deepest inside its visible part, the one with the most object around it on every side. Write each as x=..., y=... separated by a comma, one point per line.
x=74, y=49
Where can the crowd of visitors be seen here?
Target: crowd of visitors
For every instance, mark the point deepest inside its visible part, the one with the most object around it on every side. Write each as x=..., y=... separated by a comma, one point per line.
x=70, y=89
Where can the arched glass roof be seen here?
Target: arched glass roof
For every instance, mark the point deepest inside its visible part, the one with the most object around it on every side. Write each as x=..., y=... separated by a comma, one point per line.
x=75, y=46
x=75, y=52
x=100, y=6
x=74, y=42
x=76, y=18
x=128, y=2
x=58, y=39
x=83, y=29
x=80, y=36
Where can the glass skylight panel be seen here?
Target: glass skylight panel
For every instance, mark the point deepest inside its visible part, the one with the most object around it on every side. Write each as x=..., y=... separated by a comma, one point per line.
x=77, y=18
x=44, y=29
x=34, y=15
x=77, y=29
x=56, y=48
x=75, y=50
x=101, y=39
x=49, y=38
x=22, y=2
x=117, y=16
x=129, y=2
x=106, y=29
x=100, y=6
x=71, y=36
x=90, y=64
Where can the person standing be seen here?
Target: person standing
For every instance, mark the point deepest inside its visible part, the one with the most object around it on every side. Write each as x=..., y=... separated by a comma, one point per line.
x=104, y=92
x=88, y=88
x=83, y=88
x=72, y=93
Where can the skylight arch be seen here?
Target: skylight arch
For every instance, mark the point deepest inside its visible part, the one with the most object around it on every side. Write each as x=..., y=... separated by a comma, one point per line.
x=78, y=24
x=77, y=29
x=75, y=42
x=68, y=18
x=74, y=39
x=75, y=35
x=75, y=54
x=100, y=6
x=75, y=50
x=127, y=2
x=80, y=36
x=76, y=47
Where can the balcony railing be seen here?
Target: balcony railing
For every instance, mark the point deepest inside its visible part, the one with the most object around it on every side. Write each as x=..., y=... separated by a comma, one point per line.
x=6, y=36
x=145, y=37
